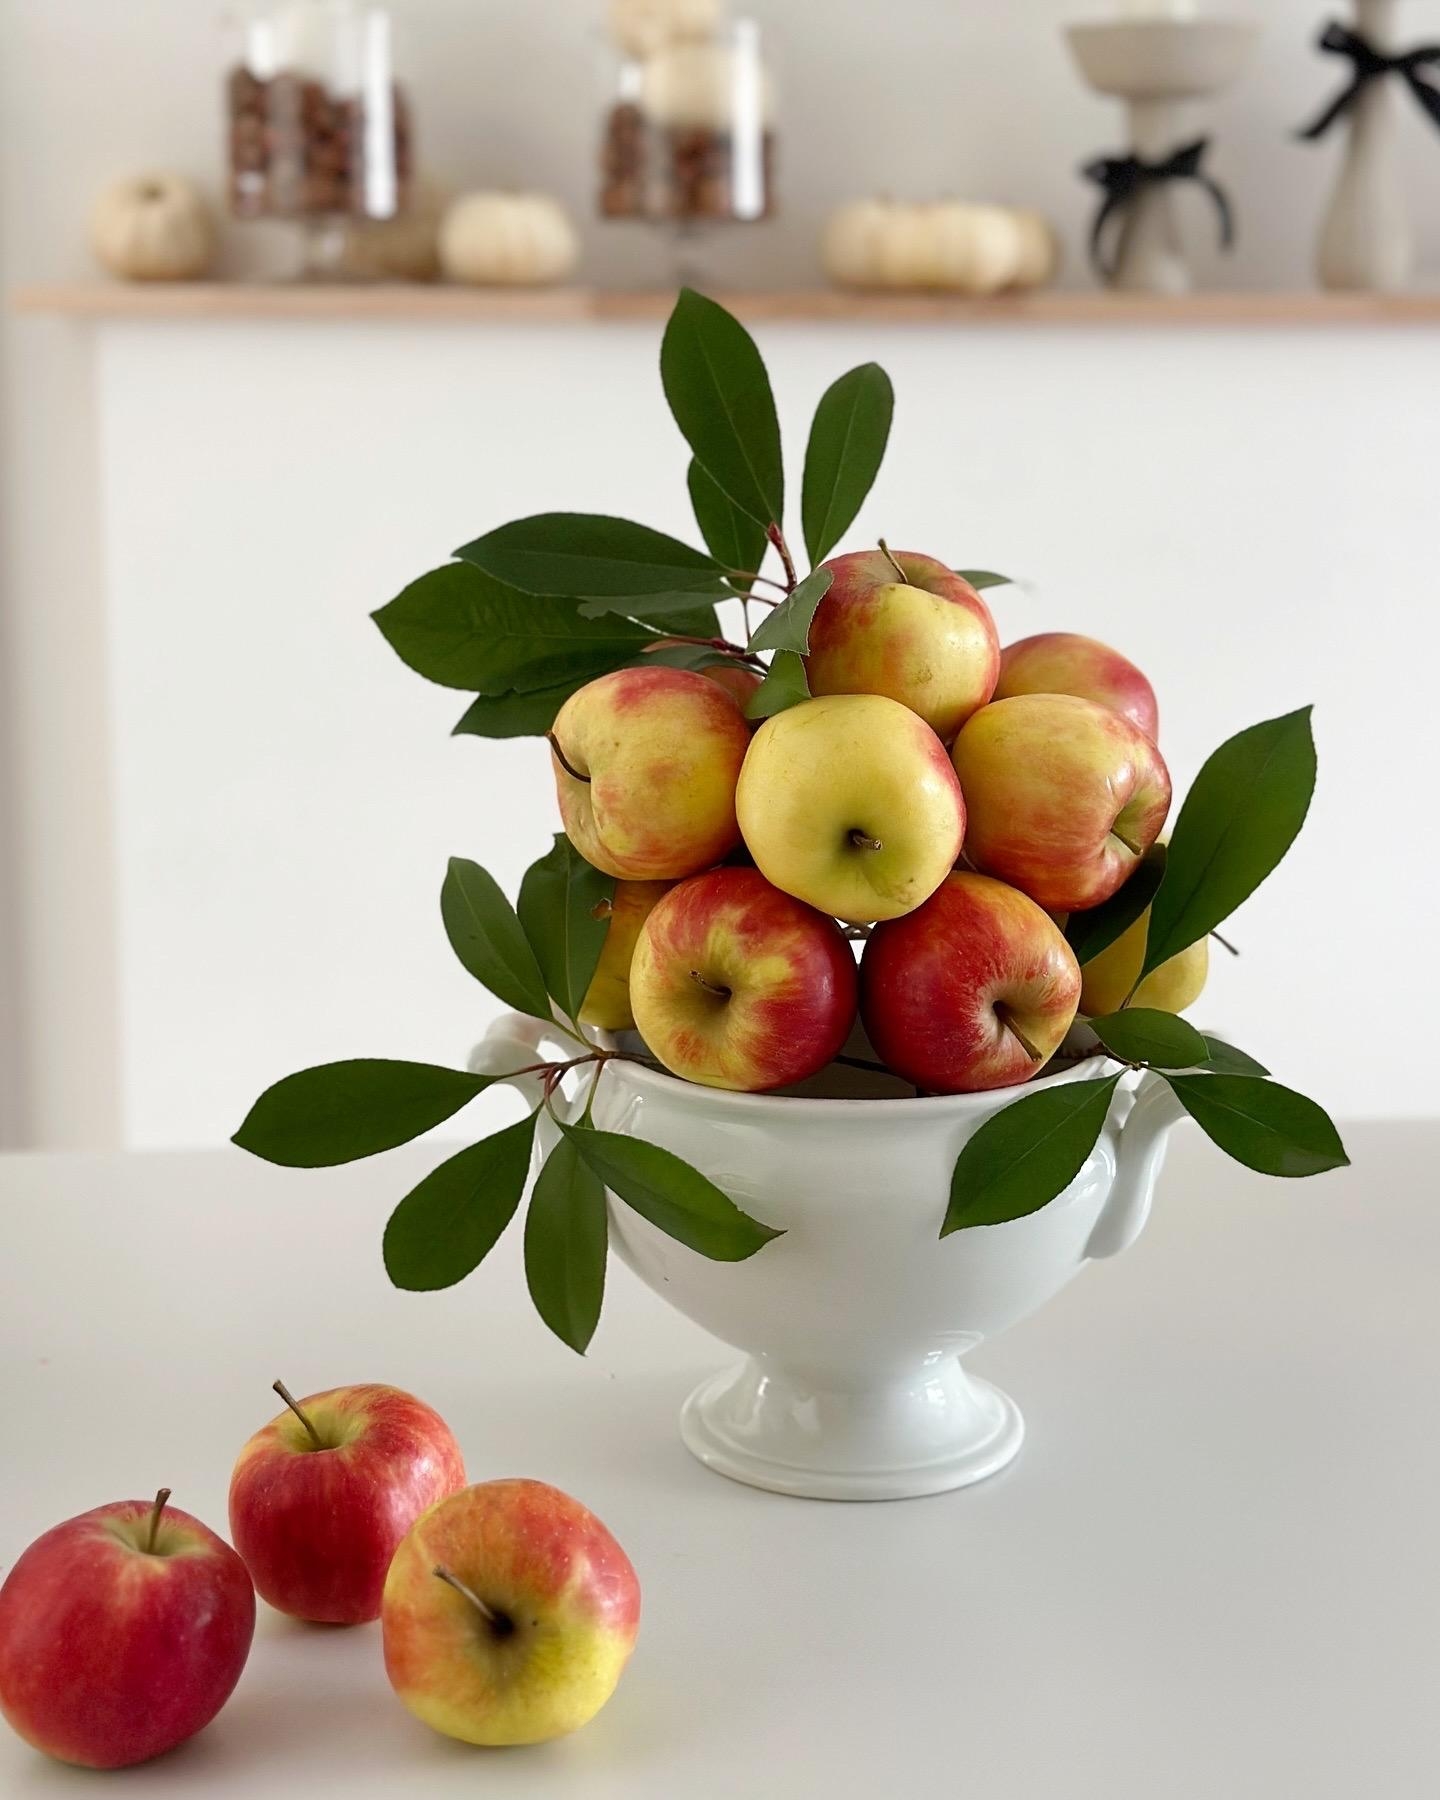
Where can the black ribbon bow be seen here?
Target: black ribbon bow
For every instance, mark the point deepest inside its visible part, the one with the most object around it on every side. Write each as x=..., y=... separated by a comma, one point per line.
x=1123, y=177
x=1370, y=65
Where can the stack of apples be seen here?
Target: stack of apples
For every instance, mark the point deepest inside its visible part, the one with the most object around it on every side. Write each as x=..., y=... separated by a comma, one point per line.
x=938, y=801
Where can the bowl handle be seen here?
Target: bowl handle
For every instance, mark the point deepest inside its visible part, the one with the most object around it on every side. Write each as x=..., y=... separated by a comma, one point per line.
x=512, y=1042
x=1143, y=1139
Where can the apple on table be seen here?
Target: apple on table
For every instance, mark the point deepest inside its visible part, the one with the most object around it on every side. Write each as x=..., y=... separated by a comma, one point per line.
x=122, y=1633
x=320, y=1496
x=510, y=1613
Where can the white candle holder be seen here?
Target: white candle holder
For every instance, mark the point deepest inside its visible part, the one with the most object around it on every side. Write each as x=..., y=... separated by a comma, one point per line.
x=1161, y=68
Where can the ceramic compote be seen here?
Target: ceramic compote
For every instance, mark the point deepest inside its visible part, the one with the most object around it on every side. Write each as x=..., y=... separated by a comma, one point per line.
x=854, y=1325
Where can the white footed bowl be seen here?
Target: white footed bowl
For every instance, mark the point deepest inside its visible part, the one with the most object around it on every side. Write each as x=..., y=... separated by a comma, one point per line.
x=854, y=1323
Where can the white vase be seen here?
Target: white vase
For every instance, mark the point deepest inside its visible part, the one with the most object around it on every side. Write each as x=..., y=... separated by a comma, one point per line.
x=853, y=1325
x=1366, y=238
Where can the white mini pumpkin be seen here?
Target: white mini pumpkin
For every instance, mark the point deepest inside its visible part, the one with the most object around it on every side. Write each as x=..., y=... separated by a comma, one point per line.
x=1039, y=249
x=154, y=228
x=952, y=246
x=508, y=240
x=641, y=27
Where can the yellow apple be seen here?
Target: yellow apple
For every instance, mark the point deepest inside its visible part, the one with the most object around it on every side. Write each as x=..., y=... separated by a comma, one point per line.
x=1172, y=987
x=646, y=761
x=927, y=641
x=850, y=803
x=607, y=999
x=509, y=1614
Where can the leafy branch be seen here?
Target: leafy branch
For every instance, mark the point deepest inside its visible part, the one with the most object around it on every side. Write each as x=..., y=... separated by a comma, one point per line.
x=540, y=959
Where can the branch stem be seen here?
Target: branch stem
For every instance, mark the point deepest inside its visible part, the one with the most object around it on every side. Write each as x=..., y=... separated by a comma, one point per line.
x=777, y=538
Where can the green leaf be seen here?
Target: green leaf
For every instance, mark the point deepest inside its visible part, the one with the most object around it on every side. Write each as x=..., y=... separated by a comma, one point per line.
x=980, y=579
x=341, y=1111
x=733, y=538
x=445, y=1228
x=566, y=1238
x=1088, y=933
x=486, y=936
x=720, y=395
x=788, y=626
x=517, y=715
x=1241, y=816
x=1261, y=1124
x=651, y=607
x=784, y=686
x=458, y=627
x=565, y=910
x=675, y=1198
x=843, y=457
x=1141, y=1034
x=1225, y=1059
x=591, y=554
x=1027, y=1153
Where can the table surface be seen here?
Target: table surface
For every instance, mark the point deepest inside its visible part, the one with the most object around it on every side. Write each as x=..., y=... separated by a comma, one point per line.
x=1212, y=1574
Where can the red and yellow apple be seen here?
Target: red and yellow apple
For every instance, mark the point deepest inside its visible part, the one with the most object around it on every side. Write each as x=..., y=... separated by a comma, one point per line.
x=850, y=803
x=1063, y=796
x=738, y=679
x=321, y=1496
x=646, y=761
x=1110, y=976
x=607, y=999
x=975, y=989
x=1062, y=662
x=122, y=1633
x=927, y=641
x=510, y=1613
x=738, y=985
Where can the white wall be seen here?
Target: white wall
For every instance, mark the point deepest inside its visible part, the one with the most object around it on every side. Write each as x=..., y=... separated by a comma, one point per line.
x=916, y=97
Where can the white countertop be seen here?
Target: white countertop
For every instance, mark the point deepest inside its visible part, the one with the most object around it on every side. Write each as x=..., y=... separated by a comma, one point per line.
x=1211, y=1575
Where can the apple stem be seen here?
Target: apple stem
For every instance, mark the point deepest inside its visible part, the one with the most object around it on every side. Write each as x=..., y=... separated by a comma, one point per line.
x=862, y=842
x=720, y=993
x=890, y=558
x=777, y=538
x=857, y=933
x=155, y=1511
x=1003, y=1014
x=487, y=1613
x=1225, y=943
x=294, y=1405
x=563, y=760
x=1129, y=843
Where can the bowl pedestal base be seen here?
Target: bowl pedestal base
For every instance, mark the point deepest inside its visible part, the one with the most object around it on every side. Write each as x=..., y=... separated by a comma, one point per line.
x=940, y=1430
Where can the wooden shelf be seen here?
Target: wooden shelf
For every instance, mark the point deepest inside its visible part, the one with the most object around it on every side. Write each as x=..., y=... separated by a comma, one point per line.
x=461, y=306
